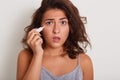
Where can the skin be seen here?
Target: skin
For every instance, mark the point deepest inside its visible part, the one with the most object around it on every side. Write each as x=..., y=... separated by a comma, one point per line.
x=55, y=33
x=56, y=25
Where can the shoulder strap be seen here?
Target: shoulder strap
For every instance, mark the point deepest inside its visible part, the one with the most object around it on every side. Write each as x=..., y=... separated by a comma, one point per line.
x=78, y=59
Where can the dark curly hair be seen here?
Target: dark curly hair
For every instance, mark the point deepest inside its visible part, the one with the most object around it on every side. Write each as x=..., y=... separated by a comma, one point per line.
x=77, y=40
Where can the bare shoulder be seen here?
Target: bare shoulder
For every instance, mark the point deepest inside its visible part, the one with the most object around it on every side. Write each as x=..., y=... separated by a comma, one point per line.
x=85, y=59
x=24, y=59
x=24, y=55
x=87, y=66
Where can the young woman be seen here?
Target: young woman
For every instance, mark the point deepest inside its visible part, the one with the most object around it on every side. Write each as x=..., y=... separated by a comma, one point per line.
x=58, y=52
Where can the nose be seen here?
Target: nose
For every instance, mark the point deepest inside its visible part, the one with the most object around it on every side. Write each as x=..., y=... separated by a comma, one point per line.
x=56, y=28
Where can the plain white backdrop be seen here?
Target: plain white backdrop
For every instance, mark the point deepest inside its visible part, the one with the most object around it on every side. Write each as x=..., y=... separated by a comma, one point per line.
x=103, y=28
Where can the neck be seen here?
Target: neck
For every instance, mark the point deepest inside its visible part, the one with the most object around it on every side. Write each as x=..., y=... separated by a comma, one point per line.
x=54, y=51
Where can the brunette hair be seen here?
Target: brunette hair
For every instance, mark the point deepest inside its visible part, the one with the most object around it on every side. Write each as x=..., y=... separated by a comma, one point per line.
x=77, y=40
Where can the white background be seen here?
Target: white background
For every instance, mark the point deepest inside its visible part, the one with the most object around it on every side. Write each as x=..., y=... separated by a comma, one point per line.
x=103, y=28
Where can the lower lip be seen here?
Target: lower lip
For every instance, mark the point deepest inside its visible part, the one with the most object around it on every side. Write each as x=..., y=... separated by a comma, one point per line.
x=56, y=39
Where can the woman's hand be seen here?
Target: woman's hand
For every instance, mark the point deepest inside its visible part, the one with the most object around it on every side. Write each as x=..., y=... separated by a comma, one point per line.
x=35, y=42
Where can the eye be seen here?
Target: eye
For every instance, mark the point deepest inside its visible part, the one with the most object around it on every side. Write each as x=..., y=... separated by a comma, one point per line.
x=49, y=22
x=64, y=22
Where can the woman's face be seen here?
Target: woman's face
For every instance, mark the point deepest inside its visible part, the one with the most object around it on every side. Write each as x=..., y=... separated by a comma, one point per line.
x=56, y=28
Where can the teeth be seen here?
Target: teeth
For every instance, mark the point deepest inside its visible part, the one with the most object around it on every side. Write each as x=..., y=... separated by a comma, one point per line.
x=39, y=29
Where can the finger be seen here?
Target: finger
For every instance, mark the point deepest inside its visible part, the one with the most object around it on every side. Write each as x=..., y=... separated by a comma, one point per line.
x=39, y=41
x=30, y=37
x=36, y=39
x=33, y=31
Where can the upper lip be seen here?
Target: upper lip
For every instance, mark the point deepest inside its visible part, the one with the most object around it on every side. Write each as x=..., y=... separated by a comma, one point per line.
x=56, y=37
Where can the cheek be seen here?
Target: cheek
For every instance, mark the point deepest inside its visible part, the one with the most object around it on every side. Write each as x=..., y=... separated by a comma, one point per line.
x=65, y=32
x=46, y=33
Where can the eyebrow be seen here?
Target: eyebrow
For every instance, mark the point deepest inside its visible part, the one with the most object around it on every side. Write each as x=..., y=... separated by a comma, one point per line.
x=63, y=18
x=59, y=19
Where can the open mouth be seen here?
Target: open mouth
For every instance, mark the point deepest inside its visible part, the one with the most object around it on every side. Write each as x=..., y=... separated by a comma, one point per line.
x=56, y=39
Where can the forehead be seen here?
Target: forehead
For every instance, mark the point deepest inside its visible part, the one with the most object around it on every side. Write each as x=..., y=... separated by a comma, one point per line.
x=54, y=14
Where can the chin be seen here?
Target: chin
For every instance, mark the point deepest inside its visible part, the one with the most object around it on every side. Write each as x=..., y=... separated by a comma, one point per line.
x=56, y=46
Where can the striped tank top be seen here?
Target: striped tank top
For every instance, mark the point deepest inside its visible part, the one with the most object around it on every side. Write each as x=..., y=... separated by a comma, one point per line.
x=75, y=74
